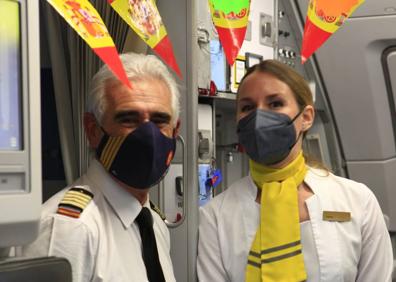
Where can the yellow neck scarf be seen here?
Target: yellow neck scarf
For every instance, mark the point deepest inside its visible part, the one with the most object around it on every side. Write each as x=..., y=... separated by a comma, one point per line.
x=276, y=253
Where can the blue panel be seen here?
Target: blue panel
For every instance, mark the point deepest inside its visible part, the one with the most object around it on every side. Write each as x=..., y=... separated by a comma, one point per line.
x=218, y=65
x=10, y=77
x=205, y=191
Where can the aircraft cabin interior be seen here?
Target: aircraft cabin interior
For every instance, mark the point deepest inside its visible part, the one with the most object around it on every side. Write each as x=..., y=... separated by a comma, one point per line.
x=45, y=72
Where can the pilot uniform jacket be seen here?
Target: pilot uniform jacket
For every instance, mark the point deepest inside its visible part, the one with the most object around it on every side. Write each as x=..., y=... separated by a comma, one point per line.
x=355, y=250
x=104, y=243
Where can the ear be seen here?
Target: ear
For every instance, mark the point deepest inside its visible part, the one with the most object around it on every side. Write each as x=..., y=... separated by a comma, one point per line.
x=176, y=130
x=308, y=117
x=92, y=130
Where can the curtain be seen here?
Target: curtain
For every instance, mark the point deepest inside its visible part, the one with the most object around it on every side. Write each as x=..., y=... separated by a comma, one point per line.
x=73, y=64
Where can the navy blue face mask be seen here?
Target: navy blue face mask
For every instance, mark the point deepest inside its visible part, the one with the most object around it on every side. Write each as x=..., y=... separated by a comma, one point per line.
x=267, y=137
x=139, y=159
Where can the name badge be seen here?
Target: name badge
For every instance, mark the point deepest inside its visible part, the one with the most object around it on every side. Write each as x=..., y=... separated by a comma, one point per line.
x=336, y=216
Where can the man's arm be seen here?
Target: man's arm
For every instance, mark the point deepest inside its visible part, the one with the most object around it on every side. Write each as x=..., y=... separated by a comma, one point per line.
x=69, y=238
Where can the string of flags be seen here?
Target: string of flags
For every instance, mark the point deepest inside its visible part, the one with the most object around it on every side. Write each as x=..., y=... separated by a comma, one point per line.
x=143, y=17
x=230, y=19
x=324, y=18
x=86, y=21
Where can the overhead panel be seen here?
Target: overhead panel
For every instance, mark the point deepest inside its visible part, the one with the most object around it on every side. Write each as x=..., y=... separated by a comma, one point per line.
x=376, y=8
x=369, y=8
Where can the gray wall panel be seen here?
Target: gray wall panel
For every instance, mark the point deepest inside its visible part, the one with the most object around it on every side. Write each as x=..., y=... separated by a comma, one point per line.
x=354, y=79
x=179, y=19
x=380, y=177
x=391, y=65
x=375, y=8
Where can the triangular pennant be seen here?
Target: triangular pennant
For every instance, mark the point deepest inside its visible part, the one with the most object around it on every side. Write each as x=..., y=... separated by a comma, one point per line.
x=230, y=19
x=231, y=40
x=324, y=17
x=143, y=17
x=84, y=18
x=314, y=37
x=164, y=50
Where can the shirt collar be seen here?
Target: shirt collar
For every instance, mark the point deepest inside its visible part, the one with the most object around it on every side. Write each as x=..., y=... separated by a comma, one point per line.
x=252, y=188
x=316, y=178
x=125, y=205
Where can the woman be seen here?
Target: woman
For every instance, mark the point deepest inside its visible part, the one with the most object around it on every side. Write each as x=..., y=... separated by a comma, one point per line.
x=288, y=221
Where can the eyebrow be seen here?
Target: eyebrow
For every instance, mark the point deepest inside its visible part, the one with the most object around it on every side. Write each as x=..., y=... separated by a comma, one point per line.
x=246, y=99
x=269, y=97
x=163, y=116
x=130, y=114
x=273, y=96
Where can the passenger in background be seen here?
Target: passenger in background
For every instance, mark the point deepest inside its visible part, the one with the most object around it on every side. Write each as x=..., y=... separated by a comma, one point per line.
x=288, y=220
x=104, y=224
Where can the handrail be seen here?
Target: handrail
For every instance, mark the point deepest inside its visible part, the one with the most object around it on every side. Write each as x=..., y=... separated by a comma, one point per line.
x=181, y=220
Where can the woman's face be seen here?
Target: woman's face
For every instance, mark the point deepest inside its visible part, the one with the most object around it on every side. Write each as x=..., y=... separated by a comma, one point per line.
x=264, y=91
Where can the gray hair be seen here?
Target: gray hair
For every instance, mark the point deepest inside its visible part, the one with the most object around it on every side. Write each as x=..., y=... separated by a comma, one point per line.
x=136, y=66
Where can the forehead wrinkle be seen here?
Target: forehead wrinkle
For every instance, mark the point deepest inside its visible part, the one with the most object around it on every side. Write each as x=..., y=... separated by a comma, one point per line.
x=143, y=97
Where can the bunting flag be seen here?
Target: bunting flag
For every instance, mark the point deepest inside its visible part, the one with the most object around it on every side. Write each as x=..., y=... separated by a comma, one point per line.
x=143, y=17
x=324, y=17
x=84, y=18
x=230, y=19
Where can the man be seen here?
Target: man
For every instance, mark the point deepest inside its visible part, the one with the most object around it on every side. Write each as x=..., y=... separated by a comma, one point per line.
x=97, y=224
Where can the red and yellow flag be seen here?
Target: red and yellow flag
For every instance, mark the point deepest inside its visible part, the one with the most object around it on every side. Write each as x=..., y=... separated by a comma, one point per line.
x=84, y=18
x=230, y=19
x=143, y=17
x=324, y=17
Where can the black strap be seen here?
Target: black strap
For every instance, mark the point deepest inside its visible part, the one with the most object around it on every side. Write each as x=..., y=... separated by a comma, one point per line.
x=150, y=252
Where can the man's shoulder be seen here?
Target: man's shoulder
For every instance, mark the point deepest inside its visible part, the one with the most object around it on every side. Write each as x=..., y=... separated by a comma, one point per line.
x=76, y=203
x=157, y=210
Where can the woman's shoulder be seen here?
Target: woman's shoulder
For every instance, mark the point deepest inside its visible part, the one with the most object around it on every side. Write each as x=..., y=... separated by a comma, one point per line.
x=324, y=182
x=230, y=196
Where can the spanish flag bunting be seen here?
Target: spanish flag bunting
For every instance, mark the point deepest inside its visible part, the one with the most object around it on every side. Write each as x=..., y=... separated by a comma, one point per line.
x=143, y=17
x=324, y=17
x=230, y=19
x=84, y=18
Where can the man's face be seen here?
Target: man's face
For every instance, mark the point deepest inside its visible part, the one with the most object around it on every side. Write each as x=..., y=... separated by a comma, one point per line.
x=149, y=100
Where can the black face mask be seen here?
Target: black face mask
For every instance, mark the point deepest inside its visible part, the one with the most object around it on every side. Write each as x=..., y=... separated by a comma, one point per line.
x=139, y=159
x=267, y=136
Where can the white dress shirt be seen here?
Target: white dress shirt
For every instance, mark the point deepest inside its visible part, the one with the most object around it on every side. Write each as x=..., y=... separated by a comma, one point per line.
x=356, y=250
x=104, y=244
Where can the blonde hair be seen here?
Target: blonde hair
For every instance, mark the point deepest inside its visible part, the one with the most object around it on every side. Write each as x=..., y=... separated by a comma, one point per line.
x=286, y=74
x=297, y=85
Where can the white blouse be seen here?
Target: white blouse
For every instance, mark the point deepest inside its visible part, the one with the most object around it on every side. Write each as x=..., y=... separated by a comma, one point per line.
x=311, y=260
x=357, y=250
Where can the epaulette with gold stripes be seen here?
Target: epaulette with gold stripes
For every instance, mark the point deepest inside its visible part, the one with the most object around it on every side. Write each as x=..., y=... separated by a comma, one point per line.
x=157, y=210
x=75, y=201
